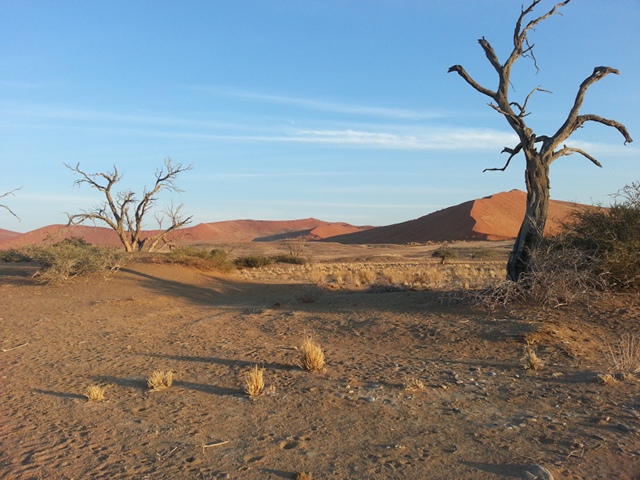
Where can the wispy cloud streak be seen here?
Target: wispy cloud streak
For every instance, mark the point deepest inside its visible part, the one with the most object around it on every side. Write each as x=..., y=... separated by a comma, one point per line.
x=326, y=106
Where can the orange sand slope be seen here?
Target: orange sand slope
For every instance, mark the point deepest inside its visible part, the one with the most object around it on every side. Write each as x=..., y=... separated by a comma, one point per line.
x=496, y=217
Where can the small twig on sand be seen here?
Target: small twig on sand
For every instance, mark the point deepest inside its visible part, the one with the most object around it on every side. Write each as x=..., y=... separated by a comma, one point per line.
x=213, y=445
x=14, y=348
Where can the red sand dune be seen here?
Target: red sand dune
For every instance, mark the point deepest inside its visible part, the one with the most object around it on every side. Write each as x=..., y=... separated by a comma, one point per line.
x=496, y=217
x=217, y=232
x=7, y=234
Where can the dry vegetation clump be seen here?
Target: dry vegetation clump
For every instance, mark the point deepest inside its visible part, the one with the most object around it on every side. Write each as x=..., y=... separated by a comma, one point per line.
x=606, y=379
x=303, y=476
x=531, y=361
x=559, y=275
x=160, y=379
x=208, y=260
x=312, y=356
x=408, y=276
x=309, y=294
x=94, y=393
x=624, y=356
x=414, y=385
x=67, y=259
x=254, y=382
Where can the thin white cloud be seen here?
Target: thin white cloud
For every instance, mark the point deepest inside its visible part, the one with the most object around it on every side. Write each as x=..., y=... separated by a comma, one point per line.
x=326, y=106
x=428, y=139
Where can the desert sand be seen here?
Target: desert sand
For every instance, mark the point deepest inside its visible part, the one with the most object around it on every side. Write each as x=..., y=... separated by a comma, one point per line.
x=474, y=411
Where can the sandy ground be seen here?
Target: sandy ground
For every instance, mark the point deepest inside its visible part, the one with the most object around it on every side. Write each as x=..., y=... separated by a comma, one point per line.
x=480, y=415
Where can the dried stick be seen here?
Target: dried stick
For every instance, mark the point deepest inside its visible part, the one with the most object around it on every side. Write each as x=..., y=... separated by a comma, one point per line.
x=14, y=348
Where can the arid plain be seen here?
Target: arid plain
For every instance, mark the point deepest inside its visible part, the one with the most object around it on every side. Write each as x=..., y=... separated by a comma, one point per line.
x=413, y=388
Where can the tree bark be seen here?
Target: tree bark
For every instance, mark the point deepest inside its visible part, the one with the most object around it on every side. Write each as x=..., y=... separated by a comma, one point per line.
x=532, y=229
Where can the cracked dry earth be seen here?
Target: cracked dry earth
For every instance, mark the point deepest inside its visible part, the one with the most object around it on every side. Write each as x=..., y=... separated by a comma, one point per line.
x=479, y=415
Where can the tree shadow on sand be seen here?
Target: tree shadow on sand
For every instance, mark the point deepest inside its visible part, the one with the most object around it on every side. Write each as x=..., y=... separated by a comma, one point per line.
x=227, y=362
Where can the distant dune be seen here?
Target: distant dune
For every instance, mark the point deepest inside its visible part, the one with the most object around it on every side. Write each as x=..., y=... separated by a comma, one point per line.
x=7, y=234
x=496, y=217
x=216, y=232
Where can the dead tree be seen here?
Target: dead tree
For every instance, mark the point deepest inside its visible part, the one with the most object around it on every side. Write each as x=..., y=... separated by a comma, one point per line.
x=540, y=151
x=125, y=214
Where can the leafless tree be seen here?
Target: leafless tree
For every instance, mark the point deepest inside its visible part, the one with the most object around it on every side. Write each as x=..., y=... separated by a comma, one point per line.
x=125, y=214
x=539, y=150
x=6, y=207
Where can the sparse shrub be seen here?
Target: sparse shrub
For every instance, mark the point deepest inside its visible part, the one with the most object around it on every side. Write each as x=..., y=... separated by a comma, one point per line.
x=309, y=294
x=15, y=255
x=444, y=253
x=624, y=356
x=254, y=382
x=160, y=379
x=531, y=361
x=94, y=393
x=70, y=258
x=295, y=247
x=292, y=259
x=209, y=260
x=253, y=261
x=414, y=384
x=482, y=253
x=611, y=238
x=312, y=356
x=606, y=379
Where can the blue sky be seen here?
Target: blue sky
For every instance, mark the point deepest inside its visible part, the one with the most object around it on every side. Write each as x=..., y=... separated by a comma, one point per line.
x=336, y=109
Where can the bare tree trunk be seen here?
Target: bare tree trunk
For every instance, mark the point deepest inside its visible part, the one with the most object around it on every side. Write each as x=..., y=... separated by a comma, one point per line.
x=532, y=229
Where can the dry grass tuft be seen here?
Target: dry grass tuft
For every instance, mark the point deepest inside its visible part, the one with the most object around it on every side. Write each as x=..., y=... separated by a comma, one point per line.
x=312, y=356
x=160, y=379
x=625, y=355
x=531, y=361
x=606, y=379
x=254, y=382
x=414, y=385
x=303, y=476
x=94, y=393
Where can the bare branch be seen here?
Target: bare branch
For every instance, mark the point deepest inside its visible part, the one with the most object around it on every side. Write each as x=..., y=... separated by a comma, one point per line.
x=568, y=151
x=462, y=72
x=573, y=121
x=6, y=207
x=512, y=153
x=491, y=54
x=605, y=121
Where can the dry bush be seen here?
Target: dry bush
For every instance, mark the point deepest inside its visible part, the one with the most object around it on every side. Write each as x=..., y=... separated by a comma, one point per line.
x=365, y=276
x=531, y=361
x=559, y=275
x=624, y=356
x=606, y=379
x=208, y=260
x=254, y=382
x=309, y=294
x=611, y=238
x=94, y=393
x=72, y=258
x=312, y=356
x=160, y=379
x=414, y=384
